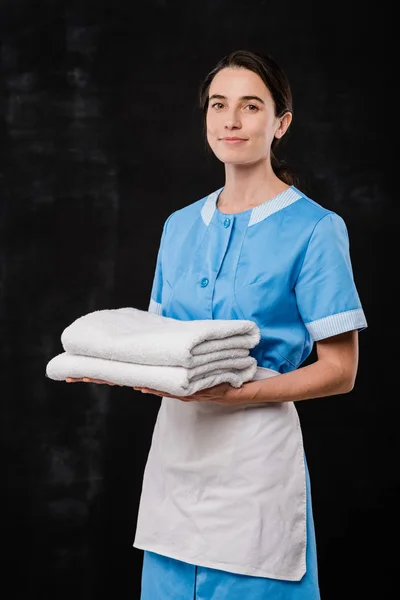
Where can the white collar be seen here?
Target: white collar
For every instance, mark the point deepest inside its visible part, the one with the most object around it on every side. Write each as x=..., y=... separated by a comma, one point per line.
x=258, y=213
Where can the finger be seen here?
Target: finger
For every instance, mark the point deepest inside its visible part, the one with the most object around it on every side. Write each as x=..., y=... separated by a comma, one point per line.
x=157, y=392
x=153, y=391
x=100, y=381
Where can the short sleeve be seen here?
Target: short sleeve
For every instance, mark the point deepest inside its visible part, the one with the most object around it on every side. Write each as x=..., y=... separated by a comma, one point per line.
x=156, y=290
x=326, y=293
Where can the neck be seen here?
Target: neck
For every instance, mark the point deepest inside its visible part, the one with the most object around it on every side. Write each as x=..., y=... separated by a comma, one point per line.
x=247, y=186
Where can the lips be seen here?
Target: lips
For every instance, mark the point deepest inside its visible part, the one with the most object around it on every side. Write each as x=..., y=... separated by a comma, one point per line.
x=233, y=141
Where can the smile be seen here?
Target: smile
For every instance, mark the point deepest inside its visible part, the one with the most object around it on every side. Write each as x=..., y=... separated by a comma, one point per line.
x=233, y=140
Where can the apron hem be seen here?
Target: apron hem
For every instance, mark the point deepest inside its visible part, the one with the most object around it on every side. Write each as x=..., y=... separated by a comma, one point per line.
x=230, y=568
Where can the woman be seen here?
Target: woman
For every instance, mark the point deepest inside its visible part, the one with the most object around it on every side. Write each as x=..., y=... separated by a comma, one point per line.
x=225, y=510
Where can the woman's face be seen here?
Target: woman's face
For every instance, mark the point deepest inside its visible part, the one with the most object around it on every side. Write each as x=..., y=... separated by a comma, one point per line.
x=240, y=120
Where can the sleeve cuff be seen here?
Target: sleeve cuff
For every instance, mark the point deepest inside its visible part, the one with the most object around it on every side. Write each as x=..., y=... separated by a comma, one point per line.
x=154, y=307
x=335, y=324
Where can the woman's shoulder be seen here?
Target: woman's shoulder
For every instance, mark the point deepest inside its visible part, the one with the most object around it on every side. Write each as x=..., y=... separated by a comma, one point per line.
x=311, y=206
x=188, y=211
x=310, y=211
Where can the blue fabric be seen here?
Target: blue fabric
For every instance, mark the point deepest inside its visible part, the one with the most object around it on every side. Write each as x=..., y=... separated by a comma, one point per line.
x=286, y=266
x=165, y=578
x=289, y=272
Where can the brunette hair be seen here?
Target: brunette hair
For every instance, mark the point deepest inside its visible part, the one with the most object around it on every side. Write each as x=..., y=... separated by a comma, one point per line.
x=276, y=81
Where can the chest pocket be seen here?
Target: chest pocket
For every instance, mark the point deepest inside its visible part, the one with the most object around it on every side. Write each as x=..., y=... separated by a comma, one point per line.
x=184, y=298
x=183, y=263
x=263, y=289
x=177, y=297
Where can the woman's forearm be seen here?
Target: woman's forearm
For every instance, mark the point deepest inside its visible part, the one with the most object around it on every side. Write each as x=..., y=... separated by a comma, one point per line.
x=317, y=380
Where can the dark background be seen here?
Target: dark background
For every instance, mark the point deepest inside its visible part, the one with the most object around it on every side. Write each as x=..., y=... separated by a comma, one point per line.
x=100, y=140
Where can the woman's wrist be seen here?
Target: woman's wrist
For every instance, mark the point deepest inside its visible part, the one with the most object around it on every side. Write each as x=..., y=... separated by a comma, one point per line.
x=251, y=393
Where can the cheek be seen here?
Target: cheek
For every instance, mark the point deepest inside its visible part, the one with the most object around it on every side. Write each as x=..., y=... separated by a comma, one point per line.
x=211, y=127
x=210, y=138
x=259, y=131
x=259, y=127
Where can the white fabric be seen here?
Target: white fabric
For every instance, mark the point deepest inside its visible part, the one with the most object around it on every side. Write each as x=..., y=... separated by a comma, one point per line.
x=172, y=380
x=138, y=336
x=212, y=498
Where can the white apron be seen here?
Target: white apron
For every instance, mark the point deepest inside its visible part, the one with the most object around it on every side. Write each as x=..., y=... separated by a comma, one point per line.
x=224, y=487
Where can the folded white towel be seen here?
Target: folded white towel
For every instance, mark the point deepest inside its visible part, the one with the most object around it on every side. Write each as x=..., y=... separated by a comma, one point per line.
x=173, y=380
x=137, y=336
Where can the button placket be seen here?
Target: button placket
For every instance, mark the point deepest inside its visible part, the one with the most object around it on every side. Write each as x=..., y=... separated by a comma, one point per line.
x=226, y=223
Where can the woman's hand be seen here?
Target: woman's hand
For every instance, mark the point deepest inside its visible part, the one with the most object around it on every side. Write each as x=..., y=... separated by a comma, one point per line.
x=222, y=393
x=88, y=380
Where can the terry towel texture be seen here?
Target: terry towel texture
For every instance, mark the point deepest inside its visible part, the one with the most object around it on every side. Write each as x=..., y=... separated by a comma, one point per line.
x=138, y=336
x=132, y=347
x=173, y=380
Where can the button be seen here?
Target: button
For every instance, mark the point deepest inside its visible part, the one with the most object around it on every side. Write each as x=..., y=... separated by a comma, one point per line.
x=204, y=282
x=227, y=222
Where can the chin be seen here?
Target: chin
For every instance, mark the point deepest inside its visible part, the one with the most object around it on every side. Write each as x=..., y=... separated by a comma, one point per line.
x=229, y=158
x=235, y=155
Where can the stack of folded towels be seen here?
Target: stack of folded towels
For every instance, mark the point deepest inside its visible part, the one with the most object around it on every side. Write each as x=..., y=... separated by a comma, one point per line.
x=136, y=348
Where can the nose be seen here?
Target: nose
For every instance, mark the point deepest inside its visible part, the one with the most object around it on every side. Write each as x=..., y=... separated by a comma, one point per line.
x=232, y=121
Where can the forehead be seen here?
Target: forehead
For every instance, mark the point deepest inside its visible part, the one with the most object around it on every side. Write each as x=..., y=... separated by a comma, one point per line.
x=234, y=82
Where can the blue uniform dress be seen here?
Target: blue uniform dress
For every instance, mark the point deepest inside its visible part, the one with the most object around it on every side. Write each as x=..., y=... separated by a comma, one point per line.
x=285, y=265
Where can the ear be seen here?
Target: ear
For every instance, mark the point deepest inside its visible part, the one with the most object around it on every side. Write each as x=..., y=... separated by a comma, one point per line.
x=284, y=123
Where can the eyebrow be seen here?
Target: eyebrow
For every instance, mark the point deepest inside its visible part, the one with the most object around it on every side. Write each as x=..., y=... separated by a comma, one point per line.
x=220, y=97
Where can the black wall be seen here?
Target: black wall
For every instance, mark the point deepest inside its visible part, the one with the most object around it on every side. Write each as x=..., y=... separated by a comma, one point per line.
x=101, y=139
